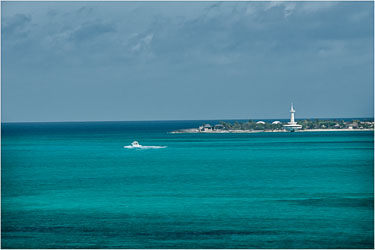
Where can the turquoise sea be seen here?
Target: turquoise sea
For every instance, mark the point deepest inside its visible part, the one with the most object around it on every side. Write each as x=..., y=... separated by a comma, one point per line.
x=73, y=185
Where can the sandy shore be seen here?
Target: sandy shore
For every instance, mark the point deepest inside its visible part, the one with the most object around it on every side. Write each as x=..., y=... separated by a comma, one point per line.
x=194, y=130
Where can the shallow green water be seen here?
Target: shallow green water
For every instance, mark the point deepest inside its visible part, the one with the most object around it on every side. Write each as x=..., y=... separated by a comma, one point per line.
x=73, y=185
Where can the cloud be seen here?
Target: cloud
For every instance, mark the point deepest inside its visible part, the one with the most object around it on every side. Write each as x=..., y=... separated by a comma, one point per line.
x=253, y=45
x=91, y=30
x=223, y=33
x=287, y=7
x=147, y=39
x=16, y=26
x=143, y=43
x=136, y=47
x=302, y=7
x=312, y=7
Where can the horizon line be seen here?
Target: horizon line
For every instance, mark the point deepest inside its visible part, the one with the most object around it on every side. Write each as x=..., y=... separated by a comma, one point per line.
x=171, y=120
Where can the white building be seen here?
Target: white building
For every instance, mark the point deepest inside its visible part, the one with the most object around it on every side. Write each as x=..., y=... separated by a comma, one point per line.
x=292, y=125
x=205, y=128
x=219, y=127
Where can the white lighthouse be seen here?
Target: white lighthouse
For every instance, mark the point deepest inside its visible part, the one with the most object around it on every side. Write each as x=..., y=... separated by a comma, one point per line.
x=292, y=125
x=292, y=111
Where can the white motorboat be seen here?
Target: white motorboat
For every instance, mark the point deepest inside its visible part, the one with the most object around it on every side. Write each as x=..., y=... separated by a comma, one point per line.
x=136, y=145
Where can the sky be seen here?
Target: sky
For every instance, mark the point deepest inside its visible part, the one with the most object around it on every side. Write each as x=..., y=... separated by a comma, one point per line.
x=124, y=61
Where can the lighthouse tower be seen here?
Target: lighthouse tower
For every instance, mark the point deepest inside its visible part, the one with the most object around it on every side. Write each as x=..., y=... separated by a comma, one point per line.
x=292, y=111
x=292, y=125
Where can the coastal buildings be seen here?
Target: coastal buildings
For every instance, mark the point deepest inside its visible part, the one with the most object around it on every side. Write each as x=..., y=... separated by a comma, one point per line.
x=219, y=127
x=205, y=128
x=292, y=125
x=209, y=128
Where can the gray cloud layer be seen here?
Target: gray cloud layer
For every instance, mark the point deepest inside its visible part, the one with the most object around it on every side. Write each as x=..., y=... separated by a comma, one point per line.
x=93, y=61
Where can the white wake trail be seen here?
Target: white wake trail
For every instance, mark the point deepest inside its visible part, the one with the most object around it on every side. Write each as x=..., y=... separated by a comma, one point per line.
x=144, y=147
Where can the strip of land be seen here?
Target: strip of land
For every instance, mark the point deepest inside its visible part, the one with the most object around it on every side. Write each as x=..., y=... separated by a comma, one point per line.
x=277, y=126
x=194, y=130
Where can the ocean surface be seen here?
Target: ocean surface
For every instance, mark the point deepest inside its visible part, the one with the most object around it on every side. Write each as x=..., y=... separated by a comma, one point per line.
x=73, y=185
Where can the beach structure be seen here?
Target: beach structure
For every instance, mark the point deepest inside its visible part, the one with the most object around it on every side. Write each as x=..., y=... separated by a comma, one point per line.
x=261, y=122
x=218, y=127
x=292, y=125
x=205, y=128
x=276, y=122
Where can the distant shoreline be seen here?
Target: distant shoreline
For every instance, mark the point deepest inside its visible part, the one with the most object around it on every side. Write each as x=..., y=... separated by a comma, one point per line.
x=252, y=126
x=196, y=131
